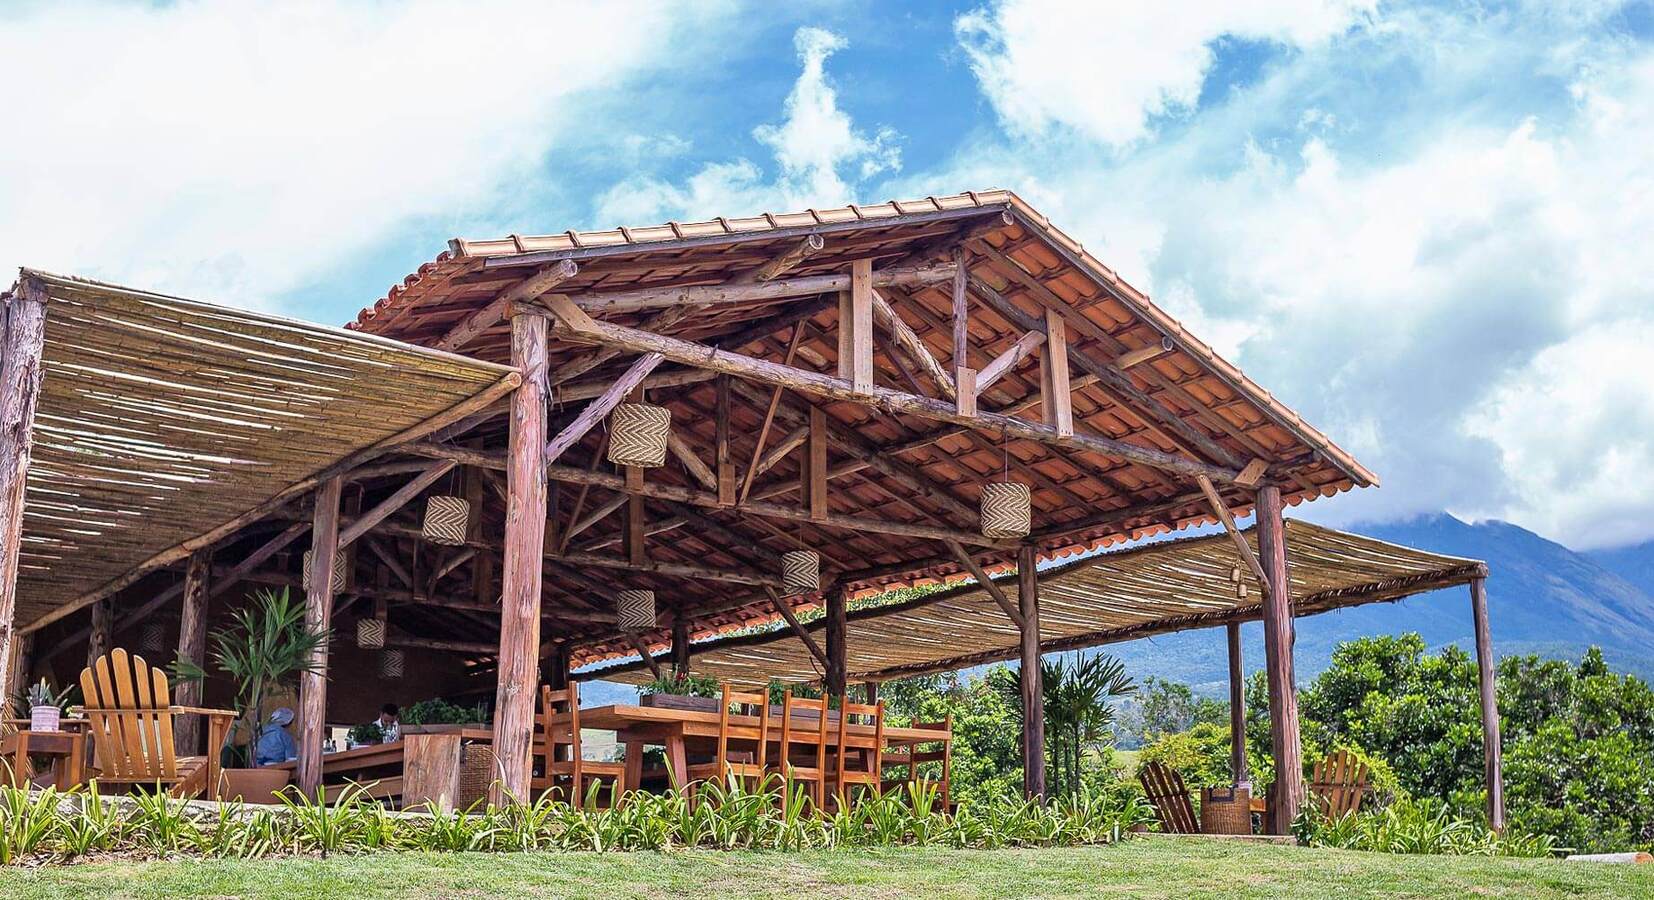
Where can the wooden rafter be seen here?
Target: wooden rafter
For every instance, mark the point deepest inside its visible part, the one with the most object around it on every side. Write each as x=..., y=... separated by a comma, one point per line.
x=792, y=622
x=492, y=314
x=402, y=496
x=1221, y=510
x=769, y=417
x=594, y=413
x=909, y=342
x=736, y=292
x=987, y=583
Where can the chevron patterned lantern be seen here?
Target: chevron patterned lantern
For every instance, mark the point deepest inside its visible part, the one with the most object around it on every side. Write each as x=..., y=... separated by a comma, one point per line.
x=153, y=638
x=801, y=571
x=637, y=435
x=635, y=610
x=447, y=519
x=1005, y=510
x=390, y=663
x=370, y=633
x=341, y=570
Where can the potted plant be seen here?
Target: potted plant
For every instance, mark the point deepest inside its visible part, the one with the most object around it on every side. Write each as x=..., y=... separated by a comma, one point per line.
x=46, y=706
x=365, y=735
x=682, y=691
x=265, y=648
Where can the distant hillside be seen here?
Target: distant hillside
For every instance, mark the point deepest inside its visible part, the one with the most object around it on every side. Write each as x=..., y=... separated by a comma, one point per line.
x=1542, y=598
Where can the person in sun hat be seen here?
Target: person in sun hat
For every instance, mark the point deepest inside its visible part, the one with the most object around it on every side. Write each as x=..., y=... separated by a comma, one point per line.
x=275, y=745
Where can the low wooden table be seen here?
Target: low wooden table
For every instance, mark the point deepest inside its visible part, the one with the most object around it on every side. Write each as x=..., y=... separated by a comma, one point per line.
x=678, y=729
x=67, y=750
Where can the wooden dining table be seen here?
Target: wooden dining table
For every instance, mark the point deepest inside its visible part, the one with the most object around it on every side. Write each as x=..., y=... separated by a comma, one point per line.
x=681, y=730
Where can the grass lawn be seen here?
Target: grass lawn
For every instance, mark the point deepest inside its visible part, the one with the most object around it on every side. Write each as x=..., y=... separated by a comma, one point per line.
x=1145, y=868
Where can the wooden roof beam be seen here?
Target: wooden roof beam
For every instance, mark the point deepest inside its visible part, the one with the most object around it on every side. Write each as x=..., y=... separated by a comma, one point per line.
x=492, y=314
x=594, y=413
x=1221, y=510
x=792, y=622
x=910, y=343
x=394, y=502
x=733, y=292
x=987, y=583
x=784, y=263
x=675, y=570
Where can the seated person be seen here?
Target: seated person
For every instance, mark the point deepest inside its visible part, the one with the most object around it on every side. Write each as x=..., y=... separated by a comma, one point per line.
x=390, y=722
x=275, y=745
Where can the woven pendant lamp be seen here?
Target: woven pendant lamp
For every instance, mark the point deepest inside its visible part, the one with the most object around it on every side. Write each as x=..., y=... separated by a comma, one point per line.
x=635, y=610
x=637, y=435
x=391, y=663
x=341, y=570
x=801, y=571
x=447, y=519
x=1006, y=510
x=370, y=633
x=153, y=638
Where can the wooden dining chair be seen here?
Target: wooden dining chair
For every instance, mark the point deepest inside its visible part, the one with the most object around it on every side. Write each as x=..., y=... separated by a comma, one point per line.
x=1338, y=784
x=913, y=754
x=557, y=749
x=858, y=765
x=1165, y=789
x=740, y=754
x=804, y=728
x=129, y=714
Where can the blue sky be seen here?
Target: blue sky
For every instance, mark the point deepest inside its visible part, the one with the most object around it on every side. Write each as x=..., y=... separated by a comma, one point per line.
x=1422, y=225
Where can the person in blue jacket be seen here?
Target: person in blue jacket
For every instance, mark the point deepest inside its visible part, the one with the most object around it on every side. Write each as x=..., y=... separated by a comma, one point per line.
x=275, y=745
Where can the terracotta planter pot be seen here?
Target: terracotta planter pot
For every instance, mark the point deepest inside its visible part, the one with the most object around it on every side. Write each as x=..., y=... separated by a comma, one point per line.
x=679, y=701
x=252, y=785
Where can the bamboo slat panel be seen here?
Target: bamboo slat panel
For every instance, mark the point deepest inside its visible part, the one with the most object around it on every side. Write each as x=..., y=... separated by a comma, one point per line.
x=161, y=418
x=1112, y=596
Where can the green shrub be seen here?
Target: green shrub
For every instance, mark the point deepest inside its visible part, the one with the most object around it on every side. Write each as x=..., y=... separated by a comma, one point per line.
x=1416, y=826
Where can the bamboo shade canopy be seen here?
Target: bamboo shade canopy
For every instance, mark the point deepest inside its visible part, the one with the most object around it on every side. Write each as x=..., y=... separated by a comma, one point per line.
x=1163, y=587
x=162, y=421
x=1139, y=378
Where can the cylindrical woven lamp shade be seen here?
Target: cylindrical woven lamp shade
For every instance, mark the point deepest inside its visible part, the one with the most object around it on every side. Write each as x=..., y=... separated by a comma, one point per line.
x=390, y=664
x=154, y=637
x=801, y=571
x=637, y=435
x=1005, y=510
x=635, y=610
x=341, y=570
x=370, y=633
x=447, y=519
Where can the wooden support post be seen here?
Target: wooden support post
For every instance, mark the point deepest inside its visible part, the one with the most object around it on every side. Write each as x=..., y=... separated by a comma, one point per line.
x=815, y=467
x=102, y=635
x=1488, y=687
x=1288, y=791
x=1033, y=689
x=525, y=526
x=855, y=328
x=318, y=615
x=18, y=666
x=834, y=679
x=20, y=349
x=557, y=666
x=637, y=531
x=192, y=645
x=1237, y=708
x=724, y=462
x=680, y=647
x=1056, y=397
x=870, y=692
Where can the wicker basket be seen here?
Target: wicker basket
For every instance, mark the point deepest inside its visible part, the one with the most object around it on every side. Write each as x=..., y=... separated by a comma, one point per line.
x=1226, y=810
x=153, y=637
x=447, y=519
x=635, y=610
x=1006, y=509
x=801, y=571
x=637, y=435
x=370, y=633
x=476, y=773
x=391, y=664
x=341, y=570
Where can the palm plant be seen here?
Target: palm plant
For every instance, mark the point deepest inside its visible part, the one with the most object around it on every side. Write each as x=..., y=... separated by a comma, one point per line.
x=265, y=648
x=1076, y=695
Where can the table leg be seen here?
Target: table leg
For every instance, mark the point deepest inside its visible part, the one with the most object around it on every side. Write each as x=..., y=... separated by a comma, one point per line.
x=634, y=765
x=76, y=766
x=677, y=760
x=20, y=761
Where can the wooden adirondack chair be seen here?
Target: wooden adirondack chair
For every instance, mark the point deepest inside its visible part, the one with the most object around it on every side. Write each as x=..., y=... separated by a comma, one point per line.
x=129, y=713
x=1164, y=788
x=1338, y=784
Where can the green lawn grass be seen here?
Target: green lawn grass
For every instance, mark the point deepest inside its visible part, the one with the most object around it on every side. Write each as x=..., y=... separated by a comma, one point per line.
x=1153, y=867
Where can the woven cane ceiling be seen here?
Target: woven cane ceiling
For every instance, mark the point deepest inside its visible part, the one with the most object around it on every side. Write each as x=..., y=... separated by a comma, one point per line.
x=162, y=419
x=1113, y=596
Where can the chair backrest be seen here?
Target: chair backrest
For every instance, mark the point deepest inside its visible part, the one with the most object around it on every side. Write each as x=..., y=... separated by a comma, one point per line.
x=1339, y=782
x=943, y=752
x=803, y=719
x=1164, y=788
x=745, y=704
x=560, y=723
x=128, y=710
x=866, y=715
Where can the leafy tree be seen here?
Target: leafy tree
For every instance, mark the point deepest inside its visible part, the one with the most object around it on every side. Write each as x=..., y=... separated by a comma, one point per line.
x=1166, y=707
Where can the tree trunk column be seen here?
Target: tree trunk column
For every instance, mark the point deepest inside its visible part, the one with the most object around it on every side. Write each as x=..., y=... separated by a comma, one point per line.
x=103, y=630
x=1033, y=688
x=1237, y=708
x=318, y=616
x=836, y=678
x=192, y=645
x=1288, y=791
x=1488, y=686
x=525, y=530
x=20, y=347
x=680, y=647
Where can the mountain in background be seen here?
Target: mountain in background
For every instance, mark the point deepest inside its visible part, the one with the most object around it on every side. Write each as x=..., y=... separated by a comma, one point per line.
x=1542, y=598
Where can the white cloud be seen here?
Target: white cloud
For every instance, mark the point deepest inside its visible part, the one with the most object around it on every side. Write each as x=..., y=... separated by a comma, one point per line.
x=235, y=150
x=1107, y=69
x=820, y=157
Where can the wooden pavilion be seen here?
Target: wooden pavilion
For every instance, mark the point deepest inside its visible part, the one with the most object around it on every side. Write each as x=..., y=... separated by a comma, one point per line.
x=844, y=381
